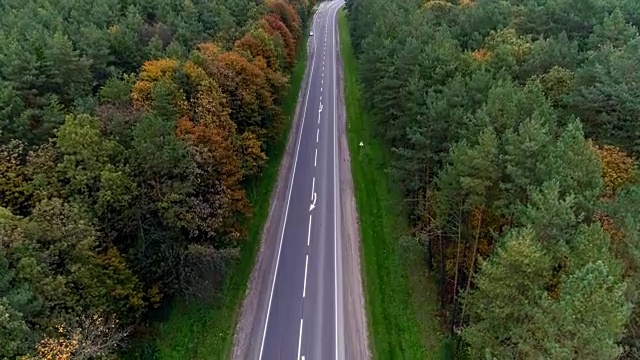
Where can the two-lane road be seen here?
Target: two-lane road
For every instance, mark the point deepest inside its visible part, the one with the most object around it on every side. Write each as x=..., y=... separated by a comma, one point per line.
x=304, y=309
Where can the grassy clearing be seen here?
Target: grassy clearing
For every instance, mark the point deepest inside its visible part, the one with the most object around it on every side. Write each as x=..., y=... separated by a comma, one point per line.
x=401, y=302
x=204, y=330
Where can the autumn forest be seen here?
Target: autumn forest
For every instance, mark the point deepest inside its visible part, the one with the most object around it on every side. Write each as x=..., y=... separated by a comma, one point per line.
x=129, y=130
x=513, y=131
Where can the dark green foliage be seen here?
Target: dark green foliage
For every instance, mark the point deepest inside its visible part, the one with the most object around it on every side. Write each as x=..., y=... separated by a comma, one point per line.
x=17, y=305
x=614, y=31
x=50, y=256
x=514, y=313
x=606, y=95
x=56, y=53
x=548, y=53
x=487, y=106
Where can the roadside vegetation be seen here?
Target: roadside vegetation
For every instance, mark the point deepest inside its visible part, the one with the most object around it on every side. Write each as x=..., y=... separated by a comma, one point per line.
x=400, y=302
x=512, y=129
x=139, y=143
x=204, y=329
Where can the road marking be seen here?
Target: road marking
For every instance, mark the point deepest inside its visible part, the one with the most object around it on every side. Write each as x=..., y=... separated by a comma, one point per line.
x=314, y=197
x=308, y=242
x=306, y=263
x=286, y=212
x=300, y=338
x=335, y=179
x=313, y=187
x=320, y=110
x=315, y=159
x=317, y=134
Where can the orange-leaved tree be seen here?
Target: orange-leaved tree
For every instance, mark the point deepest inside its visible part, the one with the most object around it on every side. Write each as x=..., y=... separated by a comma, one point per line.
x=203, y=121
x=250, y=97
x=258, y=43
x=273, y=25
x=288, y=15
x=617, y=168
x=154, y=72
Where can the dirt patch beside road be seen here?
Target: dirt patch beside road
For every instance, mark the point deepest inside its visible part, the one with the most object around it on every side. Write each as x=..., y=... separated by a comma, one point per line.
x=355, y=320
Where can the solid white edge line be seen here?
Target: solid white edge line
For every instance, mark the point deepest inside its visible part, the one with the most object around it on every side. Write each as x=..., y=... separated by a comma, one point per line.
x=300, y=338
x=335, y=178
x=286, y=212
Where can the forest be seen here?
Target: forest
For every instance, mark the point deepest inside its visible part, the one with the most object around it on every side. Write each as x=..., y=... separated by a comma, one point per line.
x=129, y=132
x=513, y=131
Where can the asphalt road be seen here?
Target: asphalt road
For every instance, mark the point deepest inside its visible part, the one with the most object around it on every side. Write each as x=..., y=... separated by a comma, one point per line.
x=304, y=317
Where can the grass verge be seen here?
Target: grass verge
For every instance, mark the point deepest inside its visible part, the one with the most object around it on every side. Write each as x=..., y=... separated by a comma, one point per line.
x=401, y=302
x=204, y=330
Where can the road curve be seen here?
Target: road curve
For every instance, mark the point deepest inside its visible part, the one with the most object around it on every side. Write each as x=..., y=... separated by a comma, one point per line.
x=294, y=306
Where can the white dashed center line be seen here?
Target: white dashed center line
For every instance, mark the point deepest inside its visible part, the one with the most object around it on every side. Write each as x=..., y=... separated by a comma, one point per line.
x=304, y=289
x=300, y=337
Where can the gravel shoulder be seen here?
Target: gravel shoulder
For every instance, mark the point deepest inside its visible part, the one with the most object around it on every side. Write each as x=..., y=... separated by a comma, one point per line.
x=355, y=322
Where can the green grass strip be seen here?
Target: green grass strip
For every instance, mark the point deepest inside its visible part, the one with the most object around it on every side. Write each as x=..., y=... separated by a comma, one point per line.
x=204, y=330
x=400, y=297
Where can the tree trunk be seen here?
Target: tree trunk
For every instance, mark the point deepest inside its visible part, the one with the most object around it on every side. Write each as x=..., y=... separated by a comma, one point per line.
x=455, y=281
x=473, y=259
x=427, y=217
x=428, y=254
x=441, y=270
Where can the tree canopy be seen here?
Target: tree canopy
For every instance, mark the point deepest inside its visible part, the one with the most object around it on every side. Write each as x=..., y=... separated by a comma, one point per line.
x=513, y=132
x=129, y=130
